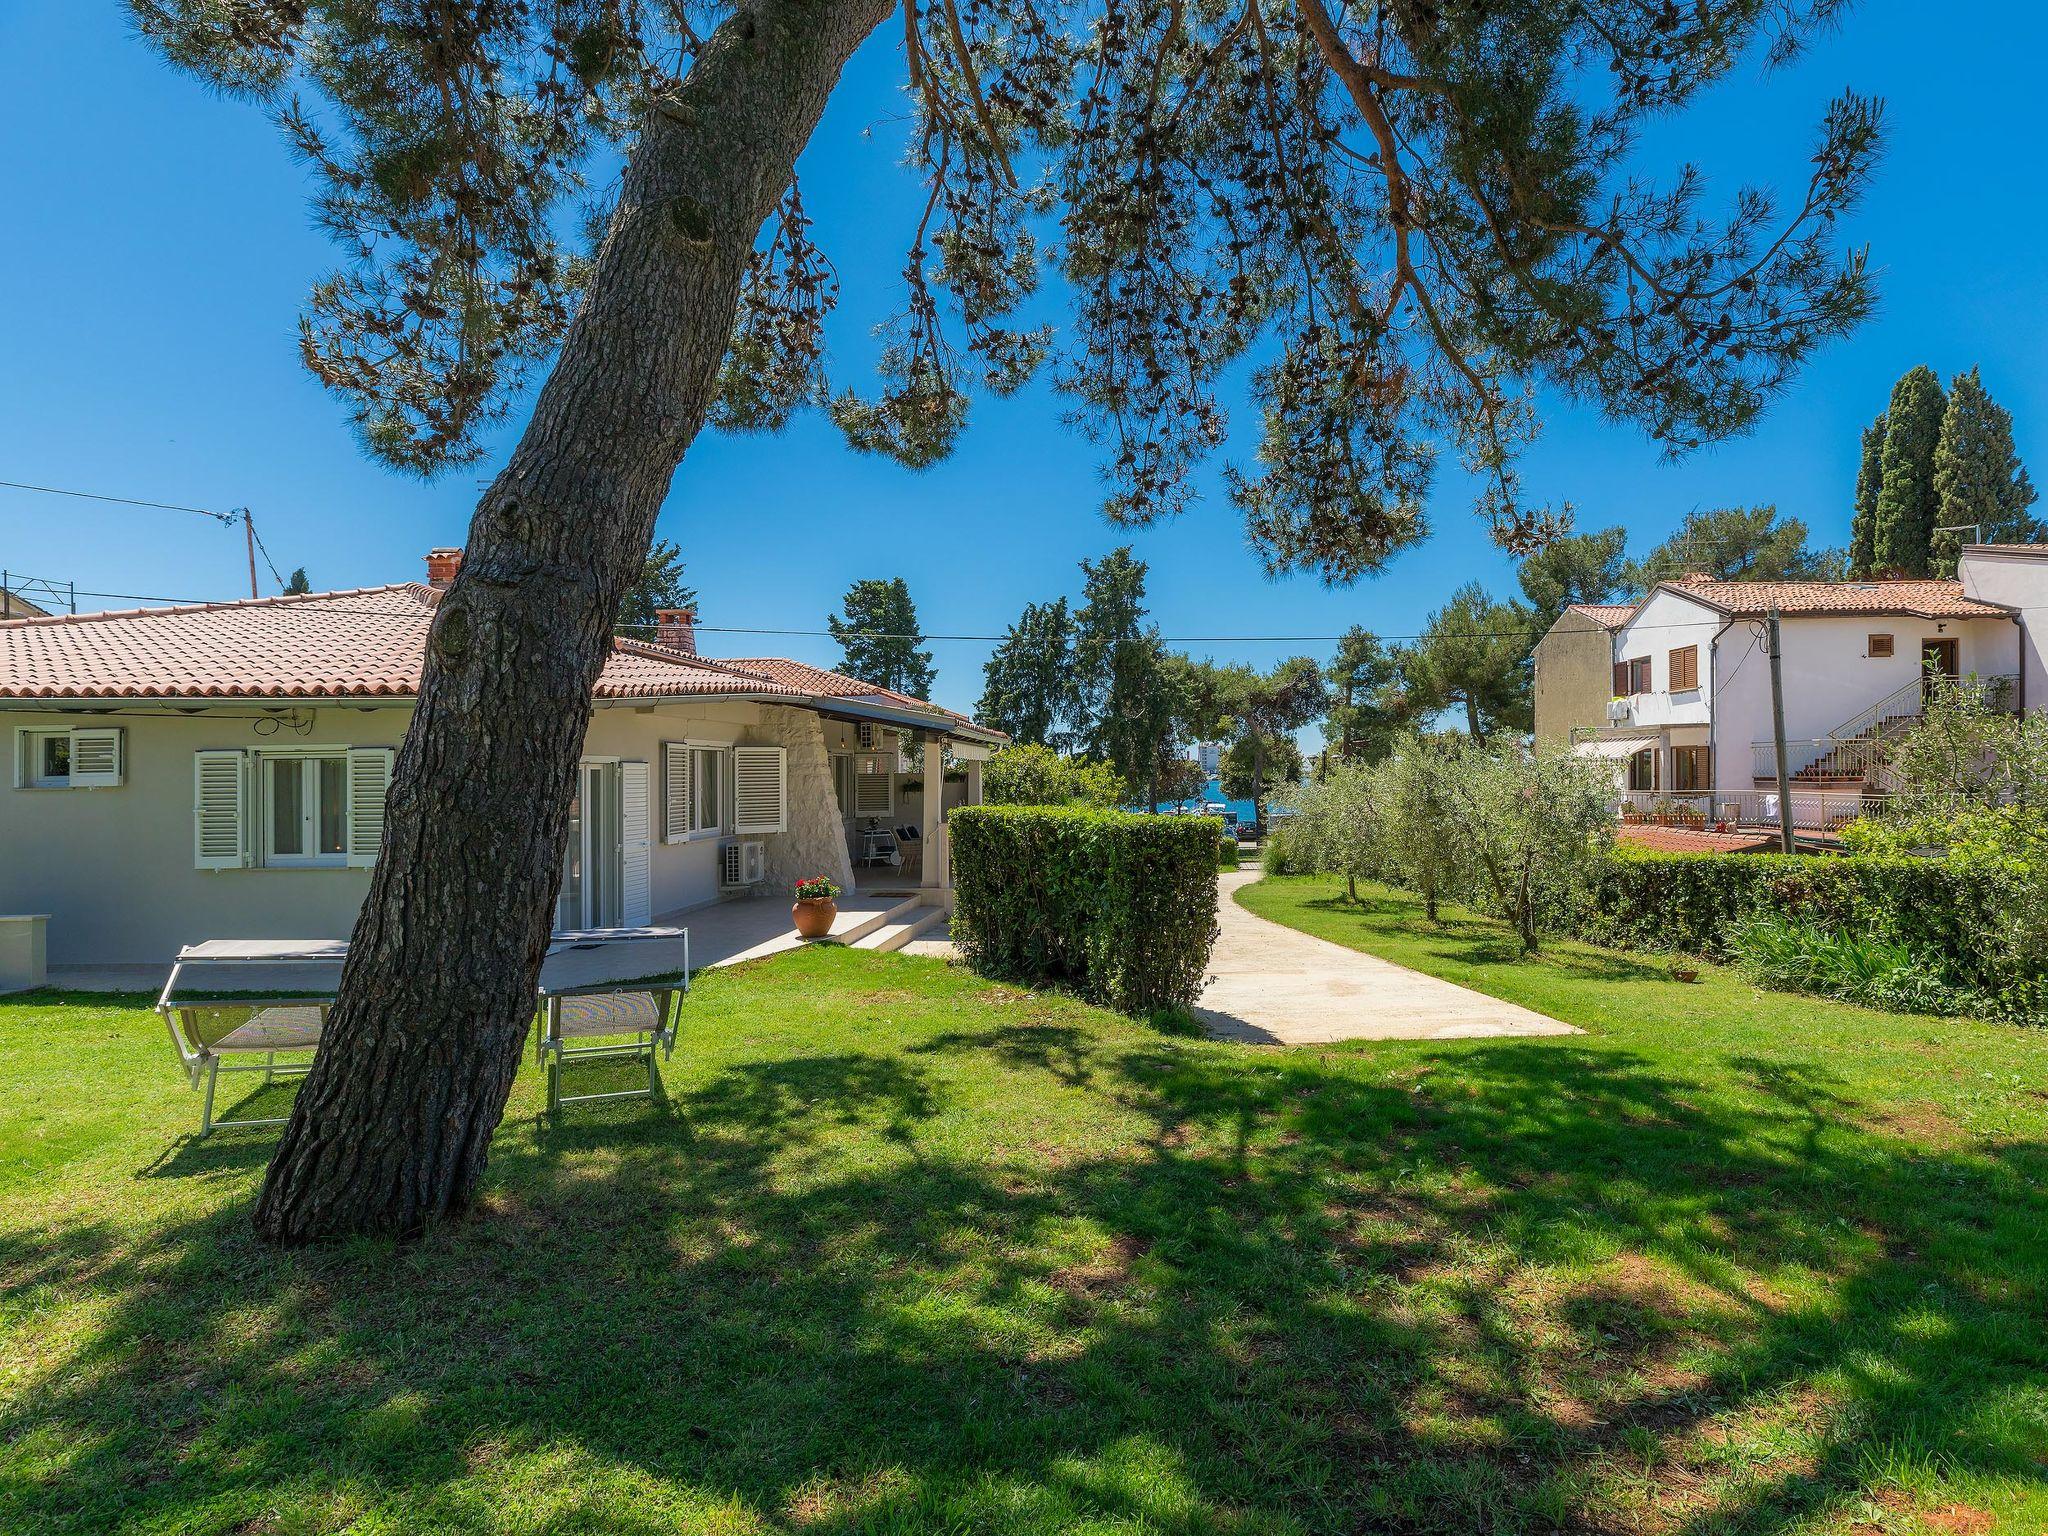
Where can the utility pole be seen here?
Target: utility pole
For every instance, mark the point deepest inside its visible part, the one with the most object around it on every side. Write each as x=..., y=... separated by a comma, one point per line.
x=1778, y=736
x=249, y=538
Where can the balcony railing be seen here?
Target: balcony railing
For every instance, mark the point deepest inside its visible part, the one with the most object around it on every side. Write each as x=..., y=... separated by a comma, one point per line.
x=1814, y=808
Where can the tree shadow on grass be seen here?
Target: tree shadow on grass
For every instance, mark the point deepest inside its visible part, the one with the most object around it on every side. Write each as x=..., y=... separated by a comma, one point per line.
x=1465, y=940
x=1535, y=1287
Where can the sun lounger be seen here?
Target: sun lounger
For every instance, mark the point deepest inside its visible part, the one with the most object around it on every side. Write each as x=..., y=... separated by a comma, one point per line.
x=617, y=988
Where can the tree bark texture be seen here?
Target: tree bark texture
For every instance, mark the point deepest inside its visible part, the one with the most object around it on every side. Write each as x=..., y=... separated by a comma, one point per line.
x=390, y=1130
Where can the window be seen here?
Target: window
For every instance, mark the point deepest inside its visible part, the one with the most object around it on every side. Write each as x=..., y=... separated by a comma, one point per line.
x=706, y=789
x=1878, y=647
x=85, y=757
x=305, y=809
x=1685, y=668
x=1642, y=769
x=46, y=759
x=1692, y=768
x=1632, y=676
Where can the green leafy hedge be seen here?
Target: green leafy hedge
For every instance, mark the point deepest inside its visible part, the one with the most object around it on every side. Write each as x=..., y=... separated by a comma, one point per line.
x=1120, y=908
x=1226, y=852
x=1690, y=901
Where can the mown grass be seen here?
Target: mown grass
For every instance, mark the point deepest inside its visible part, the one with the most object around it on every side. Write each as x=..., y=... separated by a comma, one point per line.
x=909, y=1252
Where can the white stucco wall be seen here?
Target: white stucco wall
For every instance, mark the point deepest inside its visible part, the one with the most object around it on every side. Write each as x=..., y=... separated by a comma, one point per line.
x=1829, y=674
x=114, y=867
x=2018, y=579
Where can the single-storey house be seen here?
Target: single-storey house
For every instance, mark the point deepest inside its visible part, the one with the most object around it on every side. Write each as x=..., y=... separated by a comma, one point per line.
x=219, y=770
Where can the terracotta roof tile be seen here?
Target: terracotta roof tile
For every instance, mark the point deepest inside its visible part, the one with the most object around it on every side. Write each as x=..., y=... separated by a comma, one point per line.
x=1607, y=615
x=810, y=679
x=364, y=643
x=1915, y=598
x=1685, y=840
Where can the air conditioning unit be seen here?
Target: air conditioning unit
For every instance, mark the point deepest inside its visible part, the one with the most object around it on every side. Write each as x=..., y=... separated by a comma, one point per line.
x=741, y=864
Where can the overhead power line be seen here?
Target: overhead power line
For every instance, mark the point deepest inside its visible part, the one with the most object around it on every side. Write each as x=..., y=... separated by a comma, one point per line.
x=826, y=634
x=125, y=501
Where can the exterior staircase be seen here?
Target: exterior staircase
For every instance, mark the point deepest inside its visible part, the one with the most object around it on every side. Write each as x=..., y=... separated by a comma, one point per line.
x=893, y=927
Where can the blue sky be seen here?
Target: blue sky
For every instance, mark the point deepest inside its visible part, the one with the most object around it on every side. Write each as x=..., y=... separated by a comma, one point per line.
x=159, y=247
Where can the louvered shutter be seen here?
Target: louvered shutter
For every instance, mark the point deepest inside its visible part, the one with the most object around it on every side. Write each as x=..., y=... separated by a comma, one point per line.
x=874, y=787
x=96, y=757
x=369, y=782
x=675, y=791
x=219, y=827
x=635, y=844
x=760, y=789
x=1620, y=679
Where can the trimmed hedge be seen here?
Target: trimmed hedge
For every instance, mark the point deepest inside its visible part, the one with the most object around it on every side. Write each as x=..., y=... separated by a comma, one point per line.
x=1686, y=901
x=1119, y=908
x=1227, y=856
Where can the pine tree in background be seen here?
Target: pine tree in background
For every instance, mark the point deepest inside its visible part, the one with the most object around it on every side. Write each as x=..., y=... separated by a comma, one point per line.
x=1028, y=682
x=1579, y=568
x=1367, y=705
x=1978, y=478
x=299, y=585
x=1474, y=652
x=878, y=635
x=659, y=585
x=1737, y=544
x=1117, y=665
x=1905, y=494
x=1863, y=525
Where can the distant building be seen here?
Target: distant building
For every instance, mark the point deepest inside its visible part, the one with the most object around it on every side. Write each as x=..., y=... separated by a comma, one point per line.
x=1210, y=755
x=1574, y=660
x=14, y=606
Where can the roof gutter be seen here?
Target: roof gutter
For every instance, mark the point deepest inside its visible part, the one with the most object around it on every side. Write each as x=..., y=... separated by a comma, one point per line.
x=822, y=703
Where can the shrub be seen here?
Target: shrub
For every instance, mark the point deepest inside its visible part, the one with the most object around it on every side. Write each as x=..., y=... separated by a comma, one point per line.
x=1795, y=956
x=1226, y=852
x=1120, y=908
x=1955, y=919
x=1026, y=774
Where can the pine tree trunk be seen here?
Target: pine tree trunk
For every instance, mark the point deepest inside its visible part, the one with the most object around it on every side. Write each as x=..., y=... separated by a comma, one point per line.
x=390, y=1130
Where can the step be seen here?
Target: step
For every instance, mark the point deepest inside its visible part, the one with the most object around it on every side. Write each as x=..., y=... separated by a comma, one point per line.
x=896, y=933
x=866, y=923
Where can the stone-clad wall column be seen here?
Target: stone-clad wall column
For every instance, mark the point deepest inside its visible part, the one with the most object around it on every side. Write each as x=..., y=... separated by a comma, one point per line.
x=815, y=842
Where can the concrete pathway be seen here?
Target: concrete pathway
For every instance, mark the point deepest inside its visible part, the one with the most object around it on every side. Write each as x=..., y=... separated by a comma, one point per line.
x=1272, y=985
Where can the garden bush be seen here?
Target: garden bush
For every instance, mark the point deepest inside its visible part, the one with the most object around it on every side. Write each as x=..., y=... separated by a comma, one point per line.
x=1792, y=955
x=1120, y=908
x=1950, y=916
x=1226, y=852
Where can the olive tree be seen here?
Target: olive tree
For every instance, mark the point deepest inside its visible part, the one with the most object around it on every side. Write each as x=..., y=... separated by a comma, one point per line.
x=1418, y=211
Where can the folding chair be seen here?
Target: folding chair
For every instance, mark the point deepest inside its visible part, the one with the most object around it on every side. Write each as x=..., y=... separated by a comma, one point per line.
x=203, y=1034
x=910, y=843
x=647, y=1012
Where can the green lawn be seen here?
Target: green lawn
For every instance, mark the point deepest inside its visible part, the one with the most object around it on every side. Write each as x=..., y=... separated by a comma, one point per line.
x=913, y=1253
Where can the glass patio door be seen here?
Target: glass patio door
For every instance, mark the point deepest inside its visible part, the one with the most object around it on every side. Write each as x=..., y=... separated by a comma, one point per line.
x=593, y=873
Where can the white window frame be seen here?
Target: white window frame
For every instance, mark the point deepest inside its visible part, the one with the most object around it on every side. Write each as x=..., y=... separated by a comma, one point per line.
x=105, y=746
x=267, y=762
x=28, y=759
x=720, y=755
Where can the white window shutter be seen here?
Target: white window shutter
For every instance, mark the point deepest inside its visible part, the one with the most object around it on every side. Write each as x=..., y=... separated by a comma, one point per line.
x=874, y=785
x=220, y=837
x=97, y=757
x=369, y=782
x=760, y=785
x=675, y=791
x=635, y=838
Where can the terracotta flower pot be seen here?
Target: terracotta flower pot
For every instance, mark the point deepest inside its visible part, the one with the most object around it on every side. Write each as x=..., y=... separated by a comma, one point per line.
x=813, y=917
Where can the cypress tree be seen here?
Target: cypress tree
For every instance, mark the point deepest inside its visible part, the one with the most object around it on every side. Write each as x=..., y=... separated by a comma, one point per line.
x=1863, y=526
x=1978, y=477
x=1905, y=495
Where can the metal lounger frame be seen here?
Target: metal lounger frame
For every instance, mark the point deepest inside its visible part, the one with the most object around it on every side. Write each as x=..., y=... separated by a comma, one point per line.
x=203, y=1064
x=552, y=1051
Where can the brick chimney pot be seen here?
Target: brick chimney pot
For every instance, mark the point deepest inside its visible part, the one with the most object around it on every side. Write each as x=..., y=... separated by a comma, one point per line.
x=442, y=564
x=676, y=628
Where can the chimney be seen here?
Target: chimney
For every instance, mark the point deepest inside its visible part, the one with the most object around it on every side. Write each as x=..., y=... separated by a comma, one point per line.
x=676, y=628
x=442, y=565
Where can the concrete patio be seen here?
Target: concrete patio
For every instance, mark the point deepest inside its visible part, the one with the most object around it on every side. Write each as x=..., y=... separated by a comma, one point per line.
x=725, y=934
